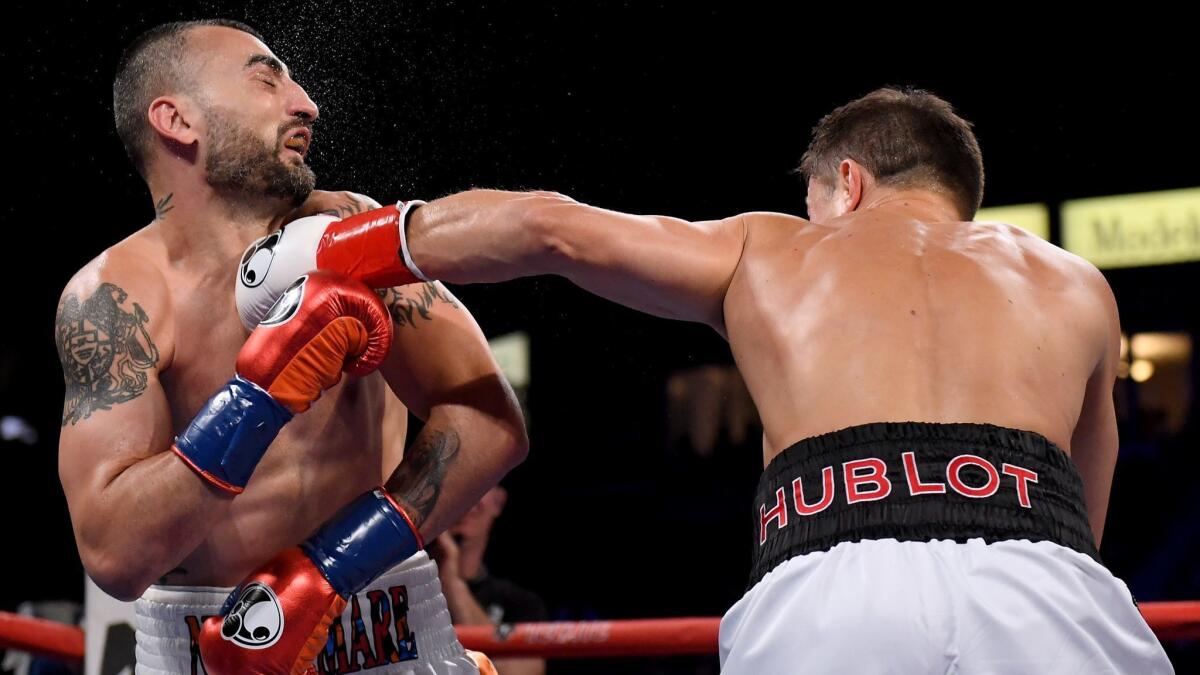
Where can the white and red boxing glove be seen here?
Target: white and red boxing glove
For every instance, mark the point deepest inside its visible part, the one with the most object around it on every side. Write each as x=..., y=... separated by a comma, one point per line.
x=369, y=247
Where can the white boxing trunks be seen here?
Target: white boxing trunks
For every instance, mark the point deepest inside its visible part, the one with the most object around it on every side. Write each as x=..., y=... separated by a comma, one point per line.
x=930, y=548
x=399, y=624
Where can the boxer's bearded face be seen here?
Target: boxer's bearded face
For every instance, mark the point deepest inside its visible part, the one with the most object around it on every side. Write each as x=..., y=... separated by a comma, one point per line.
x=240, y=161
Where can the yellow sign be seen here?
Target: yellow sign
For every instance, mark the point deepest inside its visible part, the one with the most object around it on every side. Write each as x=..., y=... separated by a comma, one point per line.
x=1033, y=218
x=1152, y=228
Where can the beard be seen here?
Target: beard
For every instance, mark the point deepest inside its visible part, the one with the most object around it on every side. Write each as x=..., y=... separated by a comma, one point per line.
x=241, y=163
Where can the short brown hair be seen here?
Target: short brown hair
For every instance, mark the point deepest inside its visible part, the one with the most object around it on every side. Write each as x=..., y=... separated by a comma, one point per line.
x=905, y=138
x=153, y=65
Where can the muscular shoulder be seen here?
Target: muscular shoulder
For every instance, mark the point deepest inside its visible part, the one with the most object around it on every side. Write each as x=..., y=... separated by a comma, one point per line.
x=1059, y=262
x=767, y=231
x=1094, y=283
x=768, y=223
x=1089, y=298
x=119, y=296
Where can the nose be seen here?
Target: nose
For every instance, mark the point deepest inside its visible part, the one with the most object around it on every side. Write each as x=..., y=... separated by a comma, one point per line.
x=301, y=106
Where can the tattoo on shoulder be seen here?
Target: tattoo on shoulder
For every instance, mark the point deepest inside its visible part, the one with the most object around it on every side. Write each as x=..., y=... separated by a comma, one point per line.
x=162, y=206
x=411, y=305
x=417, y=482
x=105, y=350
x=351, y=206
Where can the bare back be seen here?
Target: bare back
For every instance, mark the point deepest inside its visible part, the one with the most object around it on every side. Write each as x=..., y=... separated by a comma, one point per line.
x=883, y=318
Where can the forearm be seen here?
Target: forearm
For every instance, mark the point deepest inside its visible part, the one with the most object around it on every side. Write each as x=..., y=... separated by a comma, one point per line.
x=144, y=521
x=465, y=610
x=459, y=455
x=484, y=236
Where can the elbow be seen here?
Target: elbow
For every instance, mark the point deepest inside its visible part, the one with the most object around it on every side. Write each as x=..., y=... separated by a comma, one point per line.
x=125, y=568
x=121, y=576
x=518, y=450
x=518, y=432
x=514, y=449
x=508, y=422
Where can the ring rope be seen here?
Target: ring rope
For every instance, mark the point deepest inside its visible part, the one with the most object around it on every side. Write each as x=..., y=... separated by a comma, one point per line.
x=559, y=639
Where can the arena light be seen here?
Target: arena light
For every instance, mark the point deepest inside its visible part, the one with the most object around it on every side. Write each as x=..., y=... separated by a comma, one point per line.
x=1033, y=218
x=1141, y=370
x=1161, y=347
x=1153, y=228
x=13, y=428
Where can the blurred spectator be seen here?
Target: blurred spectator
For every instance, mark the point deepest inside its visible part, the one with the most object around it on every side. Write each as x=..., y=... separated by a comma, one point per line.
x=708, y=403
x=476, y=597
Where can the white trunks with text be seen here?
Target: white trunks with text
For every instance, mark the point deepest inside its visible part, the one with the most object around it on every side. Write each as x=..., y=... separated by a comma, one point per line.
x=399, y=624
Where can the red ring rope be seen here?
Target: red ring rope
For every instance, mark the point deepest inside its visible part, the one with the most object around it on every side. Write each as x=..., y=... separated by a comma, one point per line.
x=41, y=637
x=585, y=639
x=564, y=639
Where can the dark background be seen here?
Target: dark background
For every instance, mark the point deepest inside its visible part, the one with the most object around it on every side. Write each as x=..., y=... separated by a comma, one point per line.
x=642, y=107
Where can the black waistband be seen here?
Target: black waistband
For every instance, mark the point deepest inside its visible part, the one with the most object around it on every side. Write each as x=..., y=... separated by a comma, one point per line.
x=915, y=481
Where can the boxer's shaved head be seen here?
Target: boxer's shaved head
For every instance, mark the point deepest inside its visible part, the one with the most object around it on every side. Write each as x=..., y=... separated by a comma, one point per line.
x=157, y=63
x=906, y=138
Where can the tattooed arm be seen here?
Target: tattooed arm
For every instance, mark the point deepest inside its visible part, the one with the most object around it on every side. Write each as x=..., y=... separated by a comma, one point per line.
x=440, y=366
x=128, y=496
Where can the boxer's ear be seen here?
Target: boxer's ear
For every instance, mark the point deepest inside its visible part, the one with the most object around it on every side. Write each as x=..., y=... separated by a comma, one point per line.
x=174, y=120
x=852, y=178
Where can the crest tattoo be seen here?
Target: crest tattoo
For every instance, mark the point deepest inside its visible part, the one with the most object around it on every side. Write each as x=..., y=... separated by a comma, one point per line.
x=105, y=351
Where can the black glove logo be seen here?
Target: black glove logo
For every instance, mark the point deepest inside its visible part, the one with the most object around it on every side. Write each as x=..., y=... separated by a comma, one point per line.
x=287, y=304
x=257, y=260
x=256, y=620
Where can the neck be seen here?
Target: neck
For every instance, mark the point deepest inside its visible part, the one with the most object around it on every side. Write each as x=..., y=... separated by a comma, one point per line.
x=203, y=227
x=470, y=555
x=922, y=204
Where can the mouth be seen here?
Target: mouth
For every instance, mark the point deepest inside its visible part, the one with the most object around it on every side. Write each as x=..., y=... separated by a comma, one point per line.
x=299, y=141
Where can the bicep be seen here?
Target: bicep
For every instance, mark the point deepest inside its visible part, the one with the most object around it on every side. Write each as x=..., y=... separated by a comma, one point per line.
x=656, y=264
x=111, y=343
x=111, y=437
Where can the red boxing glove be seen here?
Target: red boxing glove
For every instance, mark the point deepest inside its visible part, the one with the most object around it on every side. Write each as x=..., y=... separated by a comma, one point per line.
x=321, y=325
x=277, y=623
